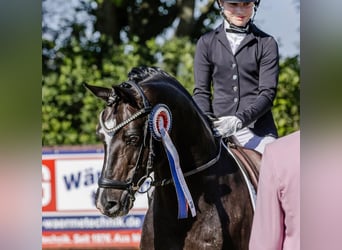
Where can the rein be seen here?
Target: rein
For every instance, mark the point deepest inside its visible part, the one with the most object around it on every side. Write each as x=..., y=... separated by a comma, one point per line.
x=191, y=172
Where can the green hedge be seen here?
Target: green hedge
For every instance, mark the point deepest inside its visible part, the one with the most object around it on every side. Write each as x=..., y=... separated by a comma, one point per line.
x=69, y=112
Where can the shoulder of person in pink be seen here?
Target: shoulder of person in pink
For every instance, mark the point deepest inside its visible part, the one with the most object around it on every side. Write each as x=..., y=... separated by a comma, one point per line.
x=276, y=222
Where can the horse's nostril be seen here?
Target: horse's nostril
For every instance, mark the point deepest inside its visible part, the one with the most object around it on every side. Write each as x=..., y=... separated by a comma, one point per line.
x=111, y=204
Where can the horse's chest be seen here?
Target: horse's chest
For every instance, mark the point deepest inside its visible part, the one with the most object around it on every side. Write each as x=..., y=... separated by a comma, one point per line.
x=206, y=232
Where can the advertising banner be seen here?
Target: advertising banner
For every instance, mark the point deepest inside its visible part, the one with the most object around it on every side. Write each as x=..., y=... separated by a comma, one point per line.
x=69, y=216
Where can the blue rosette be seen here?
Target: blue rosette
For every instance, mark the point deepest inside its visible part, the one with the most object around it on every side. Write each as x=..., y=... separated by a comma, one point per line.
x=160, y=117
x=160, y=122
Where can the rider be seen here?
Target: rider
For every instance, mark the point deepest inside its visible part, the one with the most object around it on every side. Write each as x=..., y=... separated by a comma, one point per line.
x=236, y=75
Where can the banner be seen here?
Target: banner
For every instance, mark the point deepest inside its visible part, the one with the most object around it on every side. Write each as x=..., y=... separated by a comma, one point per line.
x=69, y=216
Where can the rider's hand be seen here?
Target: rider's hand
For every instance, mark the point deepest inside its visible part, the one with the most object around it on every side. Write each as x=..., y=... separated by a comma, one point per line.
x=227, y=125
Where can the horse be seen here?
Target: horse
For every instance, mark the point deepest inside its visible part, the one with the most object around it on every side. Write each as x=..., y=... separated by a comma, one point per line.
x=220, y=204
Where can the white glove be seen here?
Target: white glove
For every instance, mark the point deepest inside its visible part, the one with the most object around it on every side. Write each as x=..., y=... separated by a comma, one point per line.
x=227, y=125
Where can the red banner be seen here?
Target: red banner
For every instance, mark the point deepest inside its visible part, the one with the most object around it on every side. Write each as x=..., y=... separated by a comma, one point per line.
x=80, y=239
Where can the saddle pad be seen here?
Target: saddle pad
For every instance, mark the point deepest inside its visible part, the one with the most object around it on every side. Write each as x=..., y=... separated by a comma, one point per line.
x=249, y=163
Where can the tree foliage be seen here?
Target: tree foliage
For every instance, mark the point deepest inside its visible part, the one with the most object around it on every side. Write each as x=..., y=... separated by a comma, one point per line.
x=286, y=109
x=69, y=112
x=148, y=19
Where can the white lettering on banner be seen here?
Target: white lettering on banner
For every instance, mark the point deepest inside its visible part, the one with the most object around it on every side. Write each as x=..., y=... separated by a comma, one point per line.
x=121, y=238
x=92, y=222
x=81, y=238
x=128, y=238
x=101, y=238
x=46, y=186
x=53, y=239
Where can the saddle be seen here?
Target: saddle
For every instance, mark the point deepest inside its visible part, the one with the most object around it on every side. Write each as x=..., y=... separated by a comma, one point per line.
x=248, y=159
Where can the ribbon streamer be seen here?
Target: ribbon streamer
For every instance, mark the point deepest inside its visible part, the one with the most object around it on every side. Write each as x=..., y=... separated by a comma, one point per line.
x=183, y=194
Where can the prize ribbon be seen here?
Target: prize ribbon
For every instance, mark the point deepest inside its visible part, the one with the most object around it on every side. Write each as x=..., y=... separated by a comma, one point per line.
x=161, y=123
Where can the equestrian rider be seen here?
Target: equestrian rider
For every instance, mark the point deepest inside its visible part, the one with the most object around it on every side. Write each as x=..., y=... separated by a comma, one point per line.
x=236, y=72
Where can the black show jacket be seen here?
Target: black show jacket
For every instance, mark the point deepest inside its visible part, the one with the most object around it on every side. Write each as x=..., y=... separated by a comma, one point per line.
x=243, y=84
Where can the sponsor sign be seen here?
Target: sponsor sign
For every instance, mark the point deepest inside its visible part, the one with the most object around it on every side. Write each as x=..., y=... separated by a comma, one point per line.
x=69, y=216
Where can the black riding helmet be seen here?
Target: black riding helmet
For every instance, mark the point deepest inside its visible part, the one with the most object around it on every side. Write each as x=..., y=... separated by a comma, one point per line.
x=256, y=2
x=234, y=27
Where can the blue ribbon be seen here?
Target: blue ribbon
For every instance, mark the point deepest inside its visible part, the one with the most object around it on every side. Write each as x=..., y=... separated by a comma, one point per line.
x=183, y=194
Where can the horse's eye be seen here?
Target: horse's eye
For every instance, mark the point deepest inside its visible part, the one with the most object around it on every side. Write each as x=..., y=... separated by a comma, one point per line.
x=132, y=140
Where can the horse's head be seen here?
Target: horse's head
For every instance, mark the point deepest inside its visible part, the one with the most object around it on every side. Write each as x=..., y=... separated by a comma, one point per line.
x=130, y=149
x=123, y=129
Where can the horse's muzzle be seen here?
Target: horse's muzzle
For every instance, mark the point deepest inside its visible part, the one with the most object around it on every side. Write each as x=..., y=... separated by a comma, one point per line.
x=114, y=204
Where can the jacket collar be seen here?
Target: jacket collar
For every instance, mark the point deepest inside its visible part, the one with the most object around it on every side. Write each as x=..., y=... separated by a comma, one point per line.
x=221, y=36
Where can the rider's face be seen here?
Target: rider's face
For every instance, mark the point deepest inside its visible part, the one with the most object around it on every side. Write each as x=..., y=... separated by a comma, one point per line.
x=238, y=13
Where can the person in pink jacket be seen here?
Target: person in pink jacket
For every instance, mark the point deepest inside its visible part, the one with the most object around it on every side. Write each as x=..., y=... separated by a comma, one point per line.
x=276, y=222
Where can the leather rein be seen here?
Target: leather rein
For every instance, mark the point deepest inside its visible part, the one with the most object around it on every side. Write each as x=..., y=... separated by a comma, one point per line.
x=130, y=186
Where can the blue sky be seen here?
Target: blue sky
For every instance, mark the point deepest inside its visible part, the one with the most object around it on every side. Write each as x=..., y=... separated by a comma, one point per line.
x=282, y=20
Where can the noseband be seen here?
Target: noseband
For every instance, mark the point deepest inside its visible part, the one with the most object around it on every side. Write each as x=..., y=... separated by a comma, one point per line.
x=129, y=185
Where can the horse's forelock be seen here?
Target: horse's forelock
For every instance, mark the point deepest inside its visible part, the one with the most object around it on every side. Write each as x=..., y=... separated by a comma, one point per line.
x=112, y=98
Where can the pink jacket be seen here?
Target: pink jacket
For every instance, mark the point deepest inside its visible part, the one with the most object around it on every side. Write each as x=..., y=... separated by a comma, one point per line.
x=276, y=223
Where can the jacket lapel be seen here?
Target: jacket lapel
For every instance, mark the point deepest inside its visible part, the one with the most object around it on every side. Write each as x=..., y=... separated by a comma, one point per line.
x=221, y=37
x=250, y=37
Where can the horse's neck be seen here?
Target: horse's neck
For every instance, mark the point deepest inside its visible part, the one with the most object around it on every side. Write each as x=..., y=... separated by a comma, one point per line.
x=193, y=164
x=193, y=153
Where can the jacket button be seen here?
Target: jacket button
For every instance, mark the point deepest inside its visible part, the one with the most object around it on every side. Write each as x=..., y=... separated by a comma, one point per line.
x=234, y=77
x=233, y=65
x=235, y=88
x=235, y=99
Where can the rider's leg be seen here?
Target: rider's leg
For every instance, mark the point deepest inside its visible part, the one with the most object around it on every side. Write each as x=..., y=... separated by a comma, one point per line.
x=250, y=140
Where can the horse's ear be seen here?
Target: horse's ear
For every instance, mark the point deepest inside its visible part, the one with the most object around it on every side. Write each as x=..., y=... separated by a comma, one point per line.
x=126, y=95
x=114, y=94
x=101, y=92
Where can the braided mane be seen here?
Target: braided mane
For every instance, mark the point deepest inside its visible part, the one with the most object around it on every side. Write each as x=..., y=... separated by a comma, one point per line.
x=139, y=74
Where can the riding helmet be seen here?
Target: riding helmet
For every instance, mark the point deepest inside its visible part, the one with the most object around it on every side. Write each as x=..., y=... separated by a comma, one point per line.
x=256, y=2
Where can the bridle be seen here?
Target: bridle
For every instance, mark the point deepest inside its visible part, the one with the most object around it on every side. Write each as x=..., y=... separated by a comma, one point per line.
x=130, y=186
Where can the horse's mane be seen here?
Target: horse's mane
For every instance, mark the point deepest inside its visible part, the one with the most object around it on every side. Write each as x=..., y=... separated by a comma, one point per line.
x=141, y=73
x=144, y=73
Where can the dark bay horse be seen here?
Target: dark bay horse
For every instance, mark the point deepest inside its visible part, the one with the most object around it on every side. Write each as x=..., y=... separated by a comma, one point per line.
x=223, y=209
